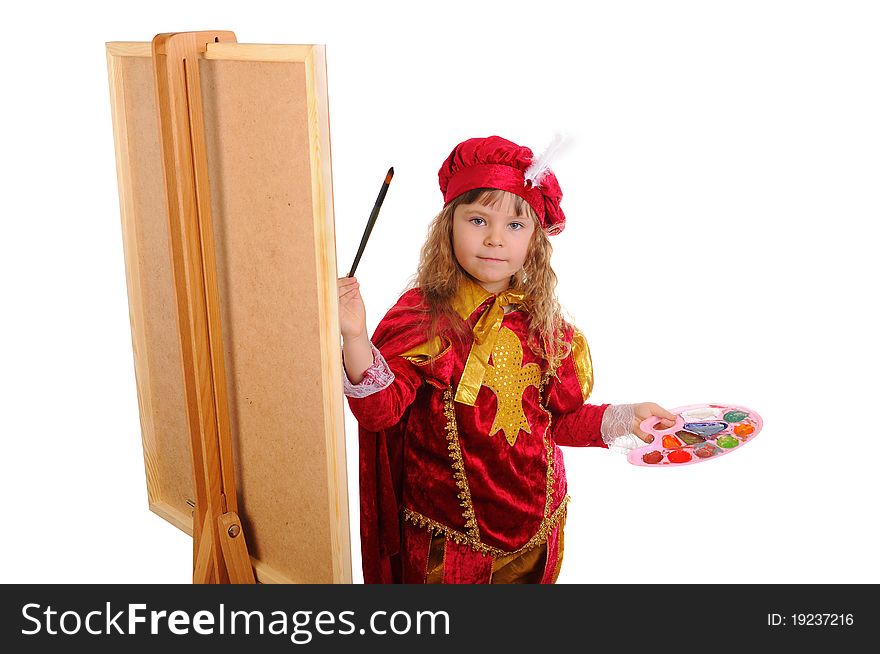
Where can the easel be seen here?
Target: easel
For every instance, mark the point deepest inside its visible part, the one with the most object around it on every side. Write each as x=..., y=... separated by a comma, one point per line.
x=220, y=553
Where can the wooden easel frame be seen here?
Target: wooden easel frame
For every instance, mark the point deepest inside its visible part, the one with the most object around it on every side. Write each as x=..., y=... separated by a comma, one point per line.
x=167, y=209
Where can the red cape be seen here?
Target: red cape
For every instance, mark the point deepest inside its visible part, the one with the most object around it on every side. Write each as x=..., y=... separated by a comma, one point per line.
x=381, y=453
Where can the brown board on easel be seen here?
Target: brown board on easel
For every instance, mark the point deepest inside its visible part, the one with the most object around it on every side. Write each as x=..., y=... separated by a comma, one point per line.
x=268, y=153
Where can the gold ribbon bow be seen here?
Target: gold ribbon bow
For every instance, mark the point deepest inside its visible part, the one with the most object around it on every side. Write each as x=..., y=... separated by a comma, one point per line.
x=485, y=334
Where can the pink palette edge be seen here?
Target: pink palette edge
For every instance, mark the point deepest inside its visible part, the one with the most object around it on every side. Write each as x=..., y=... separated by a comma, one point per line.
x=700, y=433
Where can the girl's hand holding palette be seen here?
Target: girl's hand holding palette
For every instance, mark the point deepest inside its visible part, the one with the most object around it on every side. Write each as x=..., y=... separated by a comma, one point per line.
x=701, y=432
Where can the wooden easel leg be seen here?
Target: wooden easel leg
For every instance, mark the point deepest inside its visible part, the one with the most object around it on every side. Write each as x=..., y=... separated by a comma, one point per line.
x=184, y=155
x=235, y=553
x=205, y=566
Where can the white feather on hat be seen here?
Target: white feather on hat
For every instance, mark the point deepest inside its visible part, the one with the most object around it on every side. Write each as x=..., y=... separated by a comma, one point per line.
x=540, y=166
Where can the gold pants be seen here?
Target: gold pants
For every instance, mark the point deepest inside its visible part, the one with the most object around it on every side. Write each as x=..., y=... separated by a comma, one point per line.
x=527, y=567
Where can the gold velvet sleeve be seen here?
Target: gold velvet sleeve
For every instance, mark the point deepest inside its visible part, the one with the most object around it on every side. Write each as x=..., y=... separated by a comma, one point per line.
x=583, y=364
x=427, y=352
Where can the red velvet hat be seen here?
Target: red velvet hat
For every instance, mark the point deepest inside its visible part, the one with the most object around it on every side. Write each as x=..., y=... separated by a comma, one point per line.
x=494, y=162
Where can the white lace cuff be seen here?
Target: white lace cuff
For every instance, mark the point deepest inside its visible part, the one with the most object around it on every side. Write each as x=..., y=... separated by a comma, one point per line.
x=617, y=424
x=376, y=378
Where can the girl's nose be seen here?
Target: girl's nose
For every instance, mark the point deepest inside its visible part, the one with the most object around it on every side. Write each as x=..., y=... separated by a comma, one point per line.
x=493, y=238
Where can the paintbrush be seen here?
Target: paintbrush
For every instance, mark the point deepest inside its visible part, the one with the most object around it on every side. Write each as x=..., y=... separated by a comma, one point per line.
x=372, y=220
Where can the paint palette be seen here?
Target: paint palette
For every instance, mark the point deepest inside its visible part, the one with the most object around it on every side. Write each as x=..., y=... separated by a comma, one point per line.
x=701, y=432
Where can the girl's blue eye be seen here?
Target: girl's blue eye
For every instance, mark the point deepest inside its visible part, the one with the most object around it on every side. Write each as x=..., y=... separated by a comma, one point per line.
x=476, y=218
x=520, y=226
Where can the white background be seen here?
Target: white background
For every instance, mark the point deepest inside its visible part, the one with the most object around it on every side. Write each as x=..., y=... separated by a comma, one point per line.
x=721, y=189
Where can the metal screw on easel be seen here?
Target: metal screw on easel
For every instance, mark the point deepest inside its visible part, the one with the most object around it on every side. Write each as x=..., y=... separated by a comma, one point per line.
x=233, y=531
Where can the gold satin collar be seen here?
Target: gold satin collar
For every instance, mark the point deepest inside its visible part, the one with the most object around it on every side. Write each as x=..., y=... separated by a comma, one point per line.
x=470, y=296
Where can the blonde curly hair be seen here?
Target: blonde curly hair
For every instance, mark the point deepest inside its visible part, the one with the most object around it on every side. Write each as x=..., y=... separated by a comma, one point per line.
x=439, y=275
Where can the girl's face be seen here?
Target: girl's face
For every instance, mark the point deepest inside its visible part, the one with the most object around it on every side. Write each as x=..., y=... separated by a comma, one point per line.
x=491, y=243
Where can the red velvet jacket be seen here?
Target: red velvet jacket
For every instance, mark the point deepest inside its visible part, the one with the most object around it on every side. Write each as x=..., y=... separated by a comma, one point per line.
x=489, y=475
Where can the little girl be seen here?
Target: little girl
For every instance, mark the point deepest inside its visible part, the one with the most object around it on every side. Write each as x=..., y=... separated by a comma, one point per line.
x=470, y=384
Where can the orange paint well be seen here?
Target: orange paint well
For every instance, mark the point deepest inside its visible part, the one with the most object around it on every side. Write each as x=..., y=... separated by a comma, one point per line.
x=670, y=442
